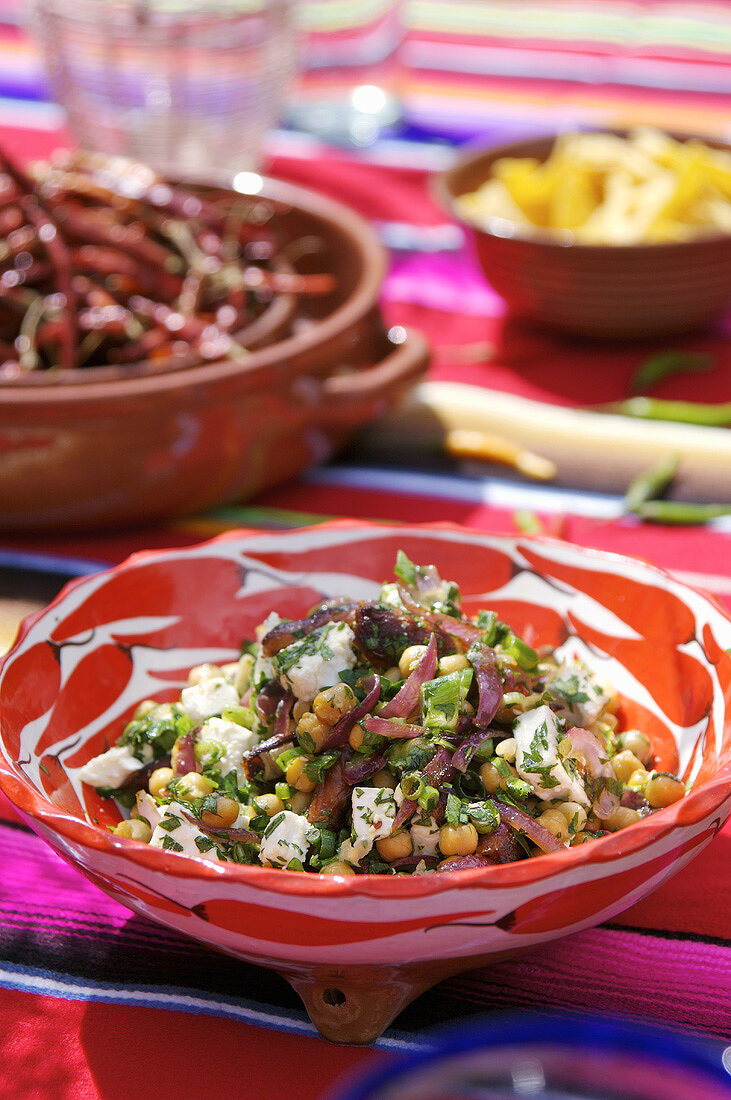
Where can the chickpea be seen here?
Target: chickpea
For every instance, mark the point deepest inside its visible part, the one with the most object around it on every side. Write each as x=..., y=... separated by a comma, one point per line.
x=269, y=804
x=574, y=813
x=144, y=708
x=356, y=736
x=620, y=818
x=134, y=829
x=299, y=709
x=458, y=840
x=332, y=703
x=299, y=801
x=337, y=867
x=393, y=674
x=555, y=822
x=226, y=812
x=410, y=659
x=310, y=728
x=194, y=785
x=383, y=778
x=243, y=672
x=624, y=764
x=582, y=838
x=490, y=777
x=636, y=742
x=296, y=775
x=200, y=673
x=638, y=780
x=507, y=749
x=158, y=782
x=663, y=790
x=174, y=757
x=394, y=847
x=453, y=662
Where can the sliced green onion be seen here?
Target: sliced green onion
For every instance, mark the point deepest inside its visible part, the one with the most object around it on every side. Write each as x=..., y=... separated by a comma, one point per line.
x=412, y=786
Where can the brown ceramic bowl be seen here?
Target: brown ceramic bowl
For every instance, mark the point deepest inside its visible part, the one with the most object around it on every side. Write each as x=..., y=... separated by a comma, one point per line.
x=594, y=290
x=113, y=446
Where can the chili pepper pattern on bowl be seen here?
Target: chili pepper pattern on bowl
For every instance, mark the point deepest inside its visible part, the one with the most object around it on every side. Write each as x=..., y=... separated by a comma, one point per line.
x=359, y=947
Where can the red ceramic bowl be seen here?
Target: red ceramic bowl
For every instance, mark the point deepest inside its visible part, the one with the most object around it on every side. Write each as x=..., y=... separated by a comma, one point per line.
x=116, y=446
x=593, y=290
x=79, y=668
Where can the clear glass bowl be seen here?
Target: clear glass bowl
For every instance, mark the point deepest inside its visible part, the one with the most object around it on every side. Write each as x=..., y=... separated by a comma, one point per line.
x=184, y=86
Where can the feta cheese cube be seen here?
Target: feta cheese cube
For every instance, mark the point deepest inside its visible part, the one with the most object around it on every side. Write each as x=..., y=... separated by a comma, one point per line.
x=213, y=696
x=315, y=662
x=175, y=833
x=374, y=809
x=425, y=837
x=537, y=760
x=580, y=697
x=148, y=808
x=111, y=768
x=229, y=739
x=287, y=837
x=272, y=620
x=265, y=669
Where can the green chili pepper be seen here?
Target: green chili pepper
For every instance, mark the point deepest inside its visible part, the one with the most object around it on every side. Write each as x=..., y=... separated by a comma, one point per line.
x=650, y=483
x=679, y=412
x=665, y=364
x=680, y=512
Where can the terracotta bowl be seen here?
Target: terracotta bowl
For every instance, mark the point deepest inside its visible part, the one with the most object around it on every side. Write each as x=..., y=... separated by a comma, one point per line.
x=359, y=949
x=593, y=290
x=116, y=445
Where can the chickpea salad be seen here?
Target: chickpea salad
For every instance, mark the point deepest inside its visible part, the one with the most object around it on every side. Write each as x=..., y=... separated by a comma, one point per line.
x=393, y=736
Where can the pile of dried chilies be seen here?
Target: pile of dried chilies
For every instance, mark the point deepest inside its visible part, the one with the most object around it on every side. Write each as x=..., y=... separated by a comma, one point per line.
x=103, y=263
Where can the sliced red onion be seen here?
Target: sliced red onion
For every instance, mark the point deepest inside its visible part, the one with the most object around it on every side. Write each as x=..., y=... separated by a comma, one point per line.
x=282, y=738
x=405, y=811
x=340, y=732
x=331, y=797
x=489, y=685
x=268, y=699
x=461, y=759
x=404, y=862
x=138, y=780
x=246, y=697
x=358, y=773
x=289, y=631
x=500, y=846
x=406, y=700
x=282, y=735
x=636, y=801
x=222, y=831
x=391, y=727
x=185, y=760
x=524, y=823
x=456, y=628
x=589, y=746
x=440, y=768
x=464, y=863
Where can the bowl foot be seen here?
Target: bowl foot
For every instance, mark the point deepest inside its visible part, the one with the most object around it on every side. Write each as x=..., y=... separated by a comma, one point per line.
x=356, y=1004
